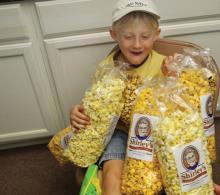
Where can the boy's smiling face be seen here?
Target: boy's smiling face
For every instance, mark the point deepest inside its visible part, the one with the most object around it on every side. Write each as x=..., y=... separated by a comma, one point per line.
x=135, y=41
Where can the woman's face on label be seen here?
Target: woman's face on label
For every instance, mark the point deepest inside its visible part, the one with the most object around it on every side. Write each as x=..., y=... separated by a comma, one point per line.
x=191, y=158
x=142, y=129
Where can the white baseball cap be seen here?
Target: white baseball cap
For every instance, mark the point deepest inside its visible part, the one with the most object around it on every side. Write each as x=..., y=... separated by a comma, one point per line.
x=123, y=7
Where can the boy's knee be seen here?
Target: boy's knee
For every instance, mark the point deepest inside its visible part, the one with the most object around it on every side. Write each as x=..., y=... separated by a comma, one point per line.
x=111, y=182
x=112, y=172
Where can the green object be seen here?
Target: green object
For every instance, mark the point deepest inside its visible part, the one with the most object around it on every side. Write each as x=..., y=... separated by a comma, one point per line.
x=91, y=184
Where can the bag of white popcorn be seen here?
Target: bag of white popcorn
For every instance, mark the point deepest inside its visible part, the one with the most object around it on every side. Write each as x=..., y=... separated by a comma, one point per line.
x=181, y=144
x=103, y=104
x=195, y=72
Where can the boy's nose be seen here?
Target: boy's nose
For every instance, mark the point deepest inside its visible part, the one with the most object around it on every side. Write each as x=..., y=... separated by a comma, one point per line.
x=137, y=43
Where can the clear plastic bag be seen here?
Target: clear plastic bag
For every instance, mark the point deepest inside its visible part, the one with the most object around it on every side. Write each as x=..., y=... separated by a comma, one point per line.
x=194, y=71
x=103, y=104
x=58, y=144
x=141, y=173
x=181, y=144
x=129, y=95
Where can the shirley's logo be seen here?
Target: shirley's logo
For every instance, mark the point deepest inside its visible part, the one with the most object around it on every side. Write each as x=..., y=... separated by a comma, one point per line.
x=143, y=128
x=136, y=4
x=190, y=158
x=191, y=165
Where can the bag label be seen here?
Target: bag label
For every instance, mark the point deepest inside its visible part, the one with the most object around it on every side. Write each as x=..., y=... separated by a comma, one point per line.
x=206, y=102
x=65, y=139
x=191, y=166
x=140, y=142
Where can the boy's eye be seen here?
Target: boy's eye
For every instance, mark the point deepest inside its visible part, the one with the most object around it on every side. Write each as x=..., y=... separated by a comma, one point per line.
x=127, y=37
x=146, y=36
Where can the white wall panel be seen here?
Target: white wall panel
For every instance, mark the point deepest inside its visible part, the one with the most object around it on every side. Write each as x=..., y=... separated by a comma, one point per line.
x=12, y=25
x=190, y=27
x=176, y=9
x=69, y=16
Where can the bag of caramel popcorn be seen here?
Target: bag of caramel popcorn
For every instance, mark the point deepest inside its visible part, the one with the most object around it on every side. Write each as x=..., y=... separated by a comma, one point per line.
x=181, y=144
x=133, y=82
x=103, y=104
x=141, y=173
x=58, y=144
x=194, y=71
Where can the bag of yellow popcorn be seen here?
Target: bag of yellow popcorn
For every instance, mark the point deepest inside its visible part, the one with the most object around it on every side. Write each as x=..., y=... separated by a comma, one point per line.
x=141, y=173
x=195, y=73
x=181, y=144
x=58, y=144
x=103, y=104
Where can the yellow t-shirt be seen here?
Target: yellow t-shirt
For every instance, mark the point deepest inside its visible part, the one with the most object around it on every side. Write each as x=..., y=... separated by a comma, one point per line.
x=151, y=68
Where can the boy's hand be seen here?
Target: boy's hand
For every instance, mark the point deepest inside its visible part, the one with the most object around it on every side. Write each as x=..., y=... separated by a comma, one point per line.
x=217, y=189
x=78, y=119
x=165, y=66
x=168, y=67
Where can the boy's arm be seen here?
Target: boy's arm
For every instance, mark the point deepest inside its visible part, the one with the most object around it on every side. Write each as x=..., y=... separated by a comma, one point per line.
x=217, y=189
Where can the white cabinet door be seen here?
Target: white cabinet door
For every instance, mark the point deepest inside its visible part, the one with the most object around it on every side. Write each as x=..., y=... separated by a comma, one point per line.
x=27, y=108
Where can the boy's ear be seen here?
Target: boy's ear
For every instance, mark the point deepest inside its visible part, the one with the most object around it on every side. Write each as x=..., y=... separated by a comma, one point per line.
x=113, y=34
x=157, y=34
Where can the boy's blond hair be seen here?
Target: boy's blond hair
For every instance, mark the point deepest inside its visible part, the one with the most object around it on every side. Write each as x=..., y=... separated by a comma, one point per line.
x=136, y=16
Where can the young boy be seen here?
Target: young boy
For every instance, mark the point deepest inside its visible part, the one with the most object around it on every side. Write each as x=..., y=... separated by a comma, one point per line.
x=135, y=28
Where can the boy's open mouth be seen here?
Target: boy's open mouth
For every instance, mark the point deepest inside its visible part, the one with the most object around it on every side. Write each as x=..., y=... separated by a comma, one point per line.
x=136, y=52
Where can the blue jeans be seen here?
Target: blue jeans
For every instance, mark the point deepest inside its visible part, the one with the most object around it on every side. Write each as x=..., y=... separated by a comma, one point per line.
x=116, y=148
